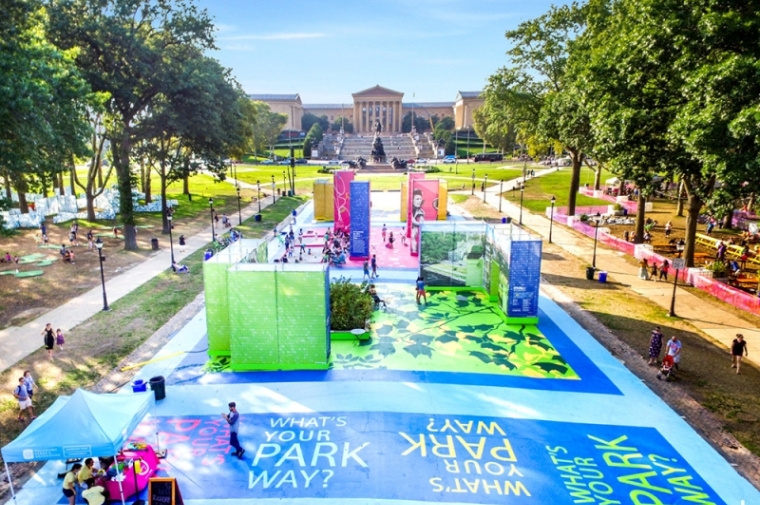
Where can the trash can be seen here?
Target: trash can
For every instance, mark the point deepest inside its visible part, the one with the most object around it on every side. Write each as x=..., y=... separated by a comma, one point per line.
x=295, y=213
x=602, y=277
x=139, y=386
x=290, y=192
x=590, y=273
x=158, y=385
x=257, y=218
x=154, y=244
x=504, y=220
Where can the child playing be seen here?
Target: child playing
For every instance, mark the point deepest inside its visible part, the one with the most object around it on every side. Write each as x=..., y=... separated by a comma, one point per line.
x=59, y=340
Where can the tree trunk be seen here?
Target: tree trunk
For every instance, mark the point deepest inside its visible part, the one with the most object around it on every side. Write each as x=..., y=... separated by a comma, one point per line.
x=8, y=190
x=23, y=206
x=640, y=218
x=61, y=184
x=44, y=184
x=575, y=181
x=598, y=177
x=679, y=206
x=146, y=181
x=164, y=214
x=751, y=203
x=121, y=150
x=694, y=206
x=71, y=180
x=186, y=185
x=728, y=220
x=621, y=187
x=90, y=206
x=100, y=172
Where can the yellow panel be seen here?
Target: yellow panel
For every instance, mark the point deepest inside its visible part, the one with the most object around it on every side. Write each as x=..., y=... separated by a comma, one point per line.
x=404, y=198
x=329, y=201
x=443, y=199
x=319, y=200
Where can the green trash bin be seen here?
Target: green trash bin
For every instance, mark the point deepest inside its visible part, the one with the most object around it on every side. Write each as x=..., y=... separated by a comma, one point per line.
x=158, y=385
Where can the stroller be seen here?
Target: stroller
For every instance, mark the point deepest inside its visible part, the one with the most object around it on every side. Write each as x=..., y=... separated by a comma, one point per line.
x=667, y=369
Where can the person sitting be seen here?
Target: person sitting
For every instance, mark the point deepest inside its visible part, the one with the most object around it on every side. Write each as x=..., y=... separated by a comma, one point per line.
x=340, y=259
x=96, y=495
x=647, y=237
x=85, y=476
x=7, y=257
x=372, y=290
x=180, y=269
x=390, y=241
x=208, y=254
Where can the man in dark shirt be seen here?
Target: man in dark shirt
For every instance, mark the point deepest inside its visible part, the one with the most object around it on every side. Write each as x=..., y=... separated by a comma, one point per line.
x=738, y=349
x=233, y=419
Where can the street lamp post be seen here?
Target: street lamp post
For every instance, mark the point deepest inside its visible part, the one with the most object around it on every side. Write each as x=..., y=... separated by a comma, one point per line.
x=551, y=219
x=678, y=263
x=274, y=190
x=596, y=237
x=456, y=151
x=522, y=194
x=473, y=182
x=501, y=190
x=284, y=183
x=171, y=242
x=240, y=216
x=485, y=183
x=99, y=246
x=468, y=146
x=211, y=206
x=258, y=194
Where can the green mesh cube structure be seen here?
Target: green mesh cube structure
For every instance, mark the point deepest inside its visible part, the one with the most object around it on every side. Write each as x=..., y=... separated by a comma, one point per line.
x=215, y=287
x=278, y=317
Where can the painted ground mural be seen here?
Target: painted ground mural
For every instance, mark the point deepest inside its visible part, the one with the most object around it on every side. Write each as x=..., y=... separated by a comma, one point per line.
x=456, y=331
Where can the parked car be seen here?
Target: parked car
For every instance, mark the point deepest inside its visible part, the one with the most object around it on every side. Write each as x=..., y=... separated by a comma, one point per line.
x=333, y=162
x=489, y=157
x=421, y=160
x=301, y=161
x=267, y=162
x=285, y=161
x=411, y=162
x=450, y=159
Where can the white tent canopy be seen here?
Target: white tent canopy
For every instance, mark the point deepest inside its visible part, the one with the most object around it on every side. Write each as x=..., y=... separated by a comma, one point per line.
x=82, y=425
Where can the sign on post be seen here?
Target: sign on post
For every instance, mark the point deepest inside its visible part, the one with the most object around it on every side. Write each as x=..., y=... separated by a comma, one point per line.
x=678, y=263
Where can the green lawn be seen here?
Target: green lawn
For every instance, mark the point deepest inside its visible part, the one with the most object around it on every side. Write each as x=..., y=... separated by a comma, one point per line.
x=538, y=191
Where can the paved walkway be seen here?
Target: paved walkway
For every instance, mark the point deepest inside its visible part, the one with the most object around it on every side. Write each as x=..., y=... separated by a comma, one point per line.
x=704, y=315
x=17, y=342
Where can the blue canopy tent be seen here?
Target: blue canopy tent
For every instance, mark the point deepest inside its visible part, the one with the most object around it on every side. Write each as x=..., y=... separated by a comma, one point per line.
x=82, y=425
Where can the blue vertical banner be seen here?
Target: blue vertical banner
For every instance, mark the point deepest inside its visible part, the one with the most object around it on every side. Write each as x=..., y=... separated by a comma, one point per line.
x=360, y=222
x=524, y=278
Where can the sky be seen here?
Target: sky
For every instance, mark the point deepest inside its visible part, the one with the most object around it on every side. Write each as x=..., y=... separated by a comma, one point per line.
x=327, y=49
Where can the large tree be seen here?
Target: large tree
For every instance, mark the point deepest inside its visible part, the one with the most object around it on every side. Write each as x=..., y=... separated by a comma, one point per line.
x=42, y=100
x=128, y=48
x=536, y=93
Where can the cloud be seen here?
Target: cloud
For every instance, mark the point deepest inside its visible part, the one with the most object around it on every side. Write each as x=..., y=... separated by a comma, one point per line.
x=277, y=36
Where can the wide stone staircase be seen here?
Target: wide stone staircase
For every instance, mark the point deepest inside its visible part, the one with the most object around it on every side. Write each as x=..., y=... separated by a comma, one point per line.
x=395, y=145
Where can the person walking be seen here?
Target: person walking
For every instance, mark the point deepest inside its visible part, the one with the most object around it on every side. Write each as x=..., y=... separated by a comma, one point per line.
x=366, y=275
x=48, y=339
x=29, y=383
x=674, y=349
x=59, y=339
x=421, y=290
x=738, y=350
x=384, y=232
x=643, y=267
x=668, y=229
x=655, y=346
x=233, y=419
x=664, y=270
x=90, y=243
x=373, y=264
x=653, y=272
x=182, y=243
x=24, y=402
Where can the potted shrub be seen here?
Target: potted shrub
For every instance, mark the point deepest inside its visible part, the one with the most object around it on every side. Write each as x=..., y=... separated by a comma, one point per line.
x=351, y=306
x=718, y=268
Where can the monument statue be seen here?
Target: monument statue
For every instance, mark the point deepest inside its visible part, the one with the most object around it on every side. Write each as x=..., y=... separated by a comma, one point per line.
x=378, y=151
x=378, y=127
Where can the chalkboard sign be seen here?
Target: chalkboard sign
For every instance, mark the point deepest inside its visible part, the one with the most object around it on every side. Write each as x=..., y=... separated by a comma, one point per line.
x=164, y=491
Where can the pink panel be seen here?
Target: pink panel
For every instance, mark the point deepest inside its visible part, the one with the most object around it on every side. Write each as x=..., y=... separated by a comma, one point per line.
x=341, y=201
x=424, y=207
x=411, y=176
